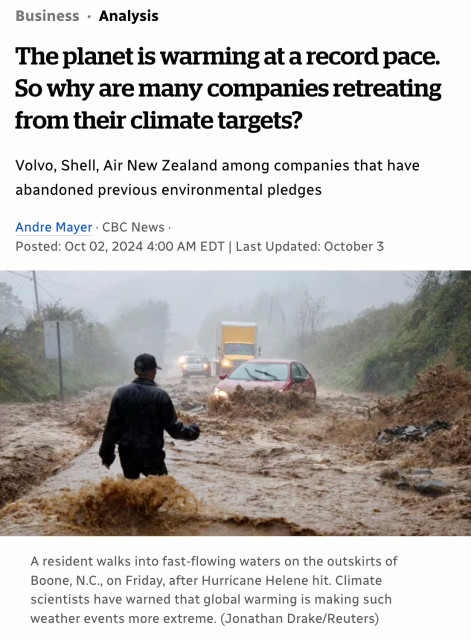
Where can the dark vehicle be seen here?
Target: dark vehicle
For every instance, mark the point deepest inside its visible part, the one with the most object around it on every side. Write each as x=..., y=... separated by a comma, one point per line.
x=282, y=375
x=185, y=355
x=197, y=365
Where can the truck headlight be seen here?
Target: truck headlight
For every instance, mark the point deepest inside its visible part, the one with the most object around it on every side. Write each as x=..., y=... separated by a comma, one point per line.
x=226, y=363
x=219, y=393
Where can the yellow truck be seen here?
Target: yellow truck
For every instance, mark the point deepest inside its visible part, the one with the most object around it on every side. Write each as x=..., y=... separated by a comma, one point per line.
x=236, y=342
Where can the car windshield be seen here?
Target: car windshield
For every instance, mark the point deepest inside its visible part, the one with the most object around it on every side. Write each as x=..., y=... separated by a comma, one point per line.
x=239, y=349
x=266, y=371
x=197, y=359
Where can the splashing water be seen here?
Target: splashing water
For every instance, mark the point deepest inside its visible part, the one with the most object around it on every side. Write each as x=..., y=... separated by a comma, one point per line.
x=120, y=506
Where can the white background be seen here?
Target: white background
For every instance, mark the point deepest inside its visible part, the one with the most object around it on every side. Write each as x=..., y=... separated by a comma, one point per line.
x=422, y=217
x=428, y=587
x=417, y=215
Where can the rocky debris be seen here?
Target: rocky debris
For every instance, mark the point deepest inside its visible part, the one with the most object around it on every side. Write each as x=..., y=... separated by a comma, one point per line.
x=188, y=405
x=268, y=453
x=439, y=393
x=403, y=485
x=394, y=475
x=432, y=488
x=391, y=474
x=441, y=398
x=411, y=433
x=405, y=481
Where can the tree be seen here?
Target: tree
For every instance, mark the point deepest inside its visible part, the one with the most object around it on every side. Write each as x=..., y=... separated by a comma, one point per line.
x=308, y=317
x=143, y=329
x=11, y=309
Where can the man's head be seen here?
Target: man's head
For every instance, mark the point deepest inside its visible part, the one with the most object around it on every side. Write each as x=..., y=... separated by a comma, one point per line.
x=145, y=366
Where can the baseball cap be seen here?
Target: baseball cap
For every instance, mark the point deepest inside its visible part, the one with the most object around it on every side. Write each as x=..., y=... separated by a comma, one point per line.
x=146, y=362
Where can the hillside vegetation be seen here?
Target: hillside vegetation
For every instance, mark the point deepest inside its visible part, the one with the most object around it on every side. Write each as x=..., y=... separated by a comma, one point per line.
x=383, y=349
x=25, y=373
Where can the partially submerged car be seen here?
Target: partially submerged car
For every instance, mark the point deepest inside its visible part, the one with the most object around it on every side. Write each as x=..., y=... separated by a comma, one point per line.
x=196, y=365
x=281, y=375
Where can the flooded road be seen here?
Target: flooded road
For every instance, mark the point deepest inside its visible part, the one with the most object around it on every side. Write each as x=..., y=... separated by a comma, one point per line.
x=296, y=472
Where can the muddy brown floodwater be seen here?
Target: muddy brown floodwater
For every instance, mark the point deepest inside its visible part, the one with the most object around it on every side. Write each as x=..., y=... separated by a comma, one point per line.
x=262, y=466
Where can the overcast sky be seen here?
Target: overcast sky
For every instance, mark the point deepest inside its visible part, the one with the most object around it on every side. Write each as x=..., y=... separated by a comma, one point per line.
x=191, y=295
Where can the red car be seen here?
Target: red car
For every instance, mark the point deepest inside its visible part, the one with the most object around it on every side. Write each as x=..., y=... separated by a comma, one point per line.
x=262, y=374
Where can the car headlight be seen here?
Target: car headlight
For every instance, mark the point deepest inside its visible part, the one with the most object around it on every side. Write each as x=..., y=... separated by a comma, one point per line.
x=219, y=393
x=181, y=359
x=226, y=363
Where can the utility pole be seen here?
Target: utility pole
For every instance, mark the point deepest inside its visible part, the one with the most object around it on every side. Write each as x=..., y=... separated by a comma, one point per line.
x=36, y=294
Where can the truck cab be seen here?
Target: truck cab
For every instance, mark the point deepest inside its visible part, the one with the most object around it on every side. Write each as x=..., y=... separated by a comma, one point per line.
x=236, y=342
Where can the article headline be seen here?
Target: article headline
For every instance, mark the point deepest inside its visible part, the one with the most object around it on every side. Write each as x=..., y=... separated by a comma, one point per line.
x=257, y=91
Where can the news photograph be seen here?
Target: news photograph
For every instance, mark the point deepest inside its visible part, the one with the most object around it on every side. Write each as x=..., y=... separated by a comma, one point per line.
x=235, y=403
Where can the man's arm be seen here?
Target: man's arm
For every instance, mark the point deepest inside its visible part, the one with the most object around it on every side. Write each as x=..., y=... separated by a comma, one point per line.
x=172, y=425
x=108, y=442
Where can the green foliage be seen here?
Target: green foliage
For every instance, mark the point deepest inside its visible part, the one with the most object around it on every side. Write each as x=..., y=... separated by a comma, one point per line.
x=438, y=327
x=26, y=375
x=20, y=379
x=383, y=349
x=340, y=351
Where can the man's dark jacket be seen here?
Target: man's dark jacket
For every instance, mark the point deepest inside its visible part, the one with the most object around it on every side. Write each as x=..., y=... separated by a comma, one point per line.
x=139, y=414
